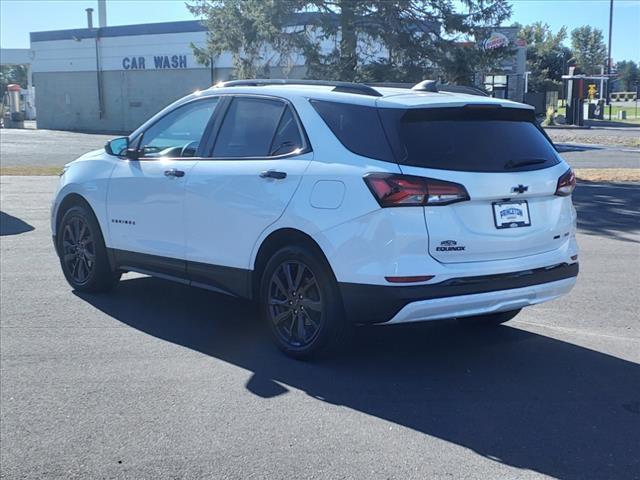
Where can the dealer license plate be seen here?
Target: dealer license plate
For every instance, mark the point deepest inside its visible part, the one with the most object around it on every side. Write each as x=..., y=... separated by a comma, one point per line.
x=511, y=214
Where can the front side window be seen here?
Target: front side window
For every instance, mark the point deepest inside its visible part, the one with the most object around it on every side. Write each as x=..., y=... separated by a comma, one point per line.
x=178, y=134
x=249, y=129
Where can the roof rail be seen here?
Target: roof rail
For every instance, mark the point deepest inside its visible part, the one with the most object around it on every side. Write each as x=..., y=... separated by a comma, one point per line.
x=346, y=87
x=390, y=84
x=423, y=86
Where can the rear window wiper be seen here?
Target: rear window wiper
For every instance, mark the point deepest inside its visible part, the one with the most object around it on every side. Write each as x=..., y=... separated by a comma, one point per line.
x=524, y=163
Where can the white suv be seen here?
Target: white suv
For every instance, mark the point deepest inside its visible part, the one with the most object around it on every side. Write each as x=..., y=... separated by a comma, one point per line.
x=331, y=204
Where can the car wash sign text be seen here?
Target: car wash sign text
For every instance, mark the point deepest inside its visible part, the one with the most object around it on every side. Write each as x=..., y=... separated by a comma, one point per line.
x=155, y=62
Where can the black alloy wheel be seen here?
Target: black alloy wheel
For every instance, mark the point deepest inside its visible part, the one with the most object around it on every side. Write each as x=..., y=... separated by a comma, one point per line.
x=301, y=303
x=78, y=250
x=295, y=304
x=83, y=254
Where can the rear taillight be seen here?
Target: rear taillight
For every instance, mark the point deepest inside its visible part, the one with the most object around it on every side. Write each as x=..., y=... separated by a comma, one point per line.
x=393, y=190
x=566, y=184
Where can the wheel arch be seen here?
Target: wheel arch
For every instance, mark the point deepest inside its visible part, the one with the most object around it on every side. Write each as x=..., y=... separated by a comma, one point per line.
x=276, y=240
x=73, y=199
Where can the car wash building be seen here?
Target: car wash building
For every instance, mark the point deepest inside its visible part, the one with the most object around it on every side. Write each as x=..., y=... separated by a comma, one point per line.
x=113, y=78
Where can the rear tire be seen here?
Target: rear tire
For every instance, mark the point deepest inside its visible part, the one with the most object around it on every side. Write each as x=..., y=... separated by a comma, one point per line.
x=491, y=319
x=300, y=302
x=82, y=252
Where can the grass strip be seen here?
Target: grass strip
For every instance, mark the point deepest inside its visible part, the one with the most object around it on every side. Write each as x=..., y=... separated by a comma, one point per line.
x=30, y=170
x=608, y=174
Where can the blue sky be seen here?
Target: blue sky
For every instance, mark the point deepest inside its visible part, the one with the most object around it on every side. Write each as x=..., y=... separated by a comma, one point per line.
x=19, y=17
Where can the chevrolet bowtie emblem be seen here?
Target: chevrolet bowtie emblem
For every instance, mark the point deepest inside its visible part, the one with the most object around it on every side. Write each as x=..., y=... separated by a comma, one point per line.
x=519, y=189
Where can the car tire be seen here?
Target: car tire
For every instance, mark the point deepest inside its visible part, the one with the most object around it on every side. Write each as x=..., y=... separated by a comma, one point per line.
x=300, y=302
x=82, y=252
x=491, y=319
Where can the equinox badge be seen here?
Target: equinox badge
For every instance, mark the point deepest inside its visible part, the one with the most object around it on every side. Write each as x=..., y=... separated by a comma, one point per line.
x=449, y=245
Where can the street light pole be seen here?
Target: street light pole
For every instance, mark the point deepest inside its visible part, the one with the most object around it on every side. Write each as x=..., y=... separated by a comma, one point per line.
x=609, y=57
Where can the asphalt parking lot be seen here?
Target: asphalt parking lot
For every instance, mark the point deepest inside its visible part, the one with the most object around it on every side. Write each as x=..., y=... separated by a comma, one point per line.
x=157, y=380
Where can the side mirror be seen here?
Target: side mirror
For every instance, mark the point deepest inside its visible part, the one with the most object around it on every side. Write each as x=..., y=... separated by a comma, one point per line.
x=118, y=146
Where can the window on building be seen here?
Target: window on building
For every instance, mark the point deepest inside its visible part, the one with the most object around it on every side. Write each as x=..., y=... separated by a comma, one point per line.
x=496, y=85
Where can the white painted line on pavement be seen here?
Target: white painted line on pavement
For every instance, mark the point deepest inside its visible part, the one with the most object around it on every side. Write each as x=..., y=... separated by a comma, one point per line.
x=577, y=331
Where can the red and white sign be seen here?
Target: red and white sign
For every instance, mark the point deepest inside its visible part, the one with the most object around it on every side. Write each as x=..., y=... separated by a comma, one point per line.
x=496, y=40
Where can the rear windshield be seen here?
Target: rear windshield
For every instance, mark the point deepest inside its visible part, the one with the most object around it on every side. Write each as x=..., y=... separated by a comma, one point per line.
x=473, y=140
x=465, y=139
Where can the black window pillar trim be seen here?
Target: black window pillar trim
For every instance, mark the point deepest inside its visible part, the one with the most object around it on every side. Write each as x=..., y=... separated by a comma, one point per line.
x=212, y=130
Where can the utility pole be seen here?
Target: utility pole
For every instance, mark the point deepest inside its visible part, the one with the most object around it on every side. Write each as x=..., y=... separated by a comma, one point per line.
x=609, y=57
x=102, y=13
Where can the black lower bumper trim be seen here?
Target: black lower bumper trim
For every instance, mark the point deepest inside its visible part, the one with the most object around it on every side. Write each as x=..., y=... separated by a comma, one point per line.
x=380, y=303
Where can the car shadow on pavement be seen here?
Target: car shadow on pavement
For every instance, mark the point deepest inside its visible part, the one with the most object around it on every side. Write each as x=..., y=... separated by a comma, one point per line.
x=608, y=209
x=10, y=225
x=522, y=399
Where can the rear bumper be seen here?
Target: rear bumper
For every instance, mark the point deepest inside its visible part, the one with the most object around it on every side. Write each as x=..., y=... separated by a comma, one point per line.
x=458, y=297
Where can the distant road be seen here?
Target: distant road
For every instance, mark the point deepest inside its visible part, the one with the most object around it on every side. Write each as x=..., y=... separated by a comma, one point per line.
x=45, y=147
x=614, y=157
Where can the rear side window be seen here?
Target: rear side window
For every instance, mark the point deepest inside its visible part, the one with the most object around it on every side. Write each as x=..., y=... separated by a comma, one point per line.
x=248, y=128
x=287, y=138
x=495, y=140
x=358, y=128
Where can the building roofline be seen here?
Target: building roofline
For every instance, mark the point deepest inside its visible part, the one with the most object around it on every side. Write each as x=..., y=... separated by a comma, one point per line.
x=120, y=31
x=302, y=18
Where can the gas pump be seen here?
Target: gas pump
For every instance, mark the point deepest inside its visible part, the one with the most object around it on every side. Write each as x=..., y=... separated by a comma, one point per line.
x=14, y=117
x=578, y=86
x=575, y=99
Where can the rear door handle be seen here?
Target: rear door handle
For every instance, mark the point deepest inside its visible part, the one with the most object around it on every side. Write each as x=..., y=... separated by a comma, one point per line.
x=173, y=173
x=273, y=174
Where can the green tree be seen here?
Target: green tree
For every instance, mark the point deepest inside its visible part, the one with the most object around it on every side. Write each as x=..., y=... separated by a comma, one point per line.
x=547, y=57
x=429, y=39
x=255, y=32
x=374, y=40
x=628, y=75
x=12, y=74
x=589, y=48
